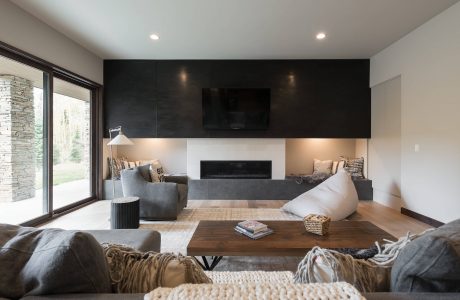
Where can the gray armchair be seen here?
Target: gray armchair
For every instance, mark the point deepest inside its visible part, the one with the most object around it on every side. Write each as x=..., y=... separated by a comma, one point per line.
x=158, y=201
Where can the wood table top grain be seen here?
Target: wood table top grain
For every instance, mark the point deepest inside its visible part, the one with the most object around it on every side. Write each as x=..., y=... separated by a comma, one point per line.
x=218, y=238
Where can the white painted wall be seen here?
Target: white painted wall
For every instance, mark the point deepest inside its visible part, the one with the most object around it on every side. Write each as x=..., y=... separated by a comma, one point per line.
x=301, y=152
x=236, y=149
x=428, y=60
x=385, y=144
x=24, y=31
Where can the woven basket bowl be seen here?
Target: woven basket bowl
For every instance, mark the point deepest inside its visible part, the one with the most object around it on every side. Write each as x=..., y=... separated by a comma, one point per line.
x=317, y=224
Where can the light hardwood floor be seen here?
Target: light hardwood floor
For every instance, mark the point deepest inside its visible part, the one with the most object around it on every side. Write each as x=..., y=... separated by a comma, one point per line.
x=96, y=215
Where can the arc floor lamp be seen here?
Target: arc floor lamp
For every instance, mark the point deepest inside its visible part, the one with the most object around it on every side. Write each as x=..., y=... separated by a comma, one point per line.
x=119, y=140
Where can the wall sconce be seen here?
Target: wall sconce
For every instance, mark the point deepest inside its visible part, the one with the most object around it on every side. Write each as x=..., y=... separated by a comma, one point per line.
x=291, y=79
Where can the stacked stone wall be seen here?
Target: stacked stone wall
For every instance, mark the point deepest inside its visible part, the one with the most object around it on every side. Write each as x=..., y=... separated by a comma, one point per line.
x=87, y=140
x=17, y=134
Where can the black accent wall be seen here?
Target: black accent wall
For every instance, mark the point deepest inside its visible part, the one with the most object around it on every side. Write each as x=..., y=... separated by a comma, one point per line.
x=309, y=98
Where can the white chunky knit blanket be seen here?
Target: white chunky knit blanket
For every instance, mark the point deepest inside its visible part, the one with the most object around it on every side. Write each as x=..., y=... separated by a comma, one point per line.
x=250, y=277
x=266, y=291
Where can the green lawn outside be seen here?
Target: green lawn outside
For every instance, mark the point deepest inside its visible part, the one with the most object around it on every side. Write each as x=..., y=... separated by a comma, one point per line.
x=62, y=173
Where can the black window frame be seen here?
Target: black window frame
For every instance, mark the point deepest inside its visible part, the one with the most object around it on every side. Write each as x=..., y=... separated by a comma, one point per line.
x=51, y=71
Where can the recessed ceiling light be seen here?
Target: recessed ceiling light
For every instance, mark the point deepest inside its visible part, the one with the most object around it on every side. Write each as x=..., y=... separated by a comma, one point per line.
x=154, y=37
x=321, y=36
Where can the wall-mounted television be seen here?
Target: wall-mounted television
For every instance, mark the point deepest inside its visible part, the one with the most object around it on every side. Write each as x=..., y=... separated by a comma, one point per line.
x=236, y=108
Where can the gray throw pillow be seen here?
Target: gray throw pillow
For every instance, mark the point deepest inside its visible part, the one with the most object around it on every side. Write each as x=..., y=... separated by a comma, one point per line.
x=354, y=166
x=50, y=261
x=145, y=172
x=430, y=263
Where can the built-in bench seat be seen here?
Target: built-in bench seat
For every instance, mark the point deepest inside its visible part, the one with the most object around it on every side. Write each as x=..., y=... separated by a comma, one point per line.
x=248, y=189
x=261, y=189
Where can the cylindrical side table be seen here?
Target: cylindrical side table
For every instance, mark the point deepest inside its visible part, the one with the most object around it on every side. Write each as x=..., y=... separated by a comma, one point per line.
x=124, y=213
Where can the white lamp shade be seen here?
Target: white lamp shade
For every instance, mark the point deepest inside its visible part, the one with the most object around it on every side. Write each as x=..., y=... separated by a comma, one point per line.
x=120, y=139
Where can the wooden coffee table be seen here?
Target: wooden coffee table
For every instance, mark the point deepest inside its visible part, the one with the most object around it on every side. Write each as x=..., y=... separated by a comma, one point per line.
x=218, y=239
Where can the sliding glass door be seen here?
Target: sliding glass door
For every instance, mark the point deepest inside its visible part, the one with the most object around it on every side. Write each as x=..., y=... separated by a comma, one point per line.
x=48, y=134
x=71, y=143
x=23, y=159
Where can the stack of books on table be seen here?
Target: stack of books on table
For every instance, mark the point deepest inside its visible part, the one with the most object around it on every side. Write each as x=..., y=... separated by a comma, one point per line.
x=253, y=229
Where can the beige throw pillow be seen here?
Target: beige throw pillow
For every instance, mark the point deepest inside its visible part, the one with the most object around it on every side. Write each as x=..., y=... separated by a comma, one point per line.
x=132, y=271
x=118, y=165
x=340, y=165
x=130, y=164
x=335, y=165
x=326, y=266
x=157, y=173
x=322, y=166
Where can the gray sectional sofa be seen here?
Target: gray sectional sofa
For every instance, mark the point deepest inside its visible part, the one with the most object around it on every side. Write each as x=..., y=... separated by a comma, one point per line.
x=48, y=261
x=425, y=269
x=158, y=201
x=141, y=239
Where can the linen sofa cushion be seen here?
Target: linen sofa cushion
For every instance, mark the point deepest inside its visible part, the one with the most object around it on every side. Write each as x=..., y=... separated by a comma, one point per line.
x=50, y=261
x=322, y=166
x=430, y=263
x=335, y=197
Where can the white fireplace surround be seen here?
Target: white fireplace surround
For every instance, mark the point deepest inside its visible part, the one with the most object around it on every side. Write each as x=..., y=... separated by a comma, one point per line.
x=236, y=149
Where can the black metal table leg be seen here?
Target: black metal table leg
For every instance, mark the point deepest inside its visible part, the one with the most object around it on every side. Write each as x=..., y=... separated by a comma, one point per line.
x=215, y=261
x=206, y=266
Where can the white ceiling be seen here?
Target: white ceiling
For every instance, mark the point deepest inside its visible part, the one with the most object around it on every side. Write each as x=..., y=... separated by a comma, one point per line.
x=234, y=29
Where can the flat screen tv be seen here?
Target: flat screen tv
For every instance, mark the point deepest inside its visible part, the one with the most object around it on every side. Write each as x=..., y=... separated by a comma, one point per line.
x=236, y=108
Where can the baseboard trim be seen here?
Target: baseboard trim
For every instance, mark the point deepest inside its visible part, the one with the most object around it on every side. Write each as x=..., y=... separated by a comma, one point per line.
x=422, y=218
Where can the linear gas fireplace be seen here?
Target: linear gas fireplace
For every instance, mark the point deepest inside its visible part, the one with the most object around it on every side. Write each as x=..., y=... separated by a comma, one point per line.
x=236, y=169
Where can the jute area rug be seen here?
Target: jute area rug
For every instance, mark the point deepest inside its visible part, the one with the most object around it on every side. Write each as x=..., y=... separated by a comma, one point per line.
x=175, y=236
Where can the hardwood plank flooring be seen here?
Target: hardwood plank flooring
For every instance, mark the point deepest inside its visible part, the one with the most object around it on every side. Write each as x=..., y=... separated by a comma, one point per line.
x=96, y=215
x=388, y=219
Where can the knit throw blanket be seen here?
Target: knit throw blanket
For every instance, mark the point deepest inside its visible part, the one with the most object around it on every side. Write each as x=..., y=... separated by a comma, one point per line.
x=367, y=275
x=268, y=291
x=132, y=271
